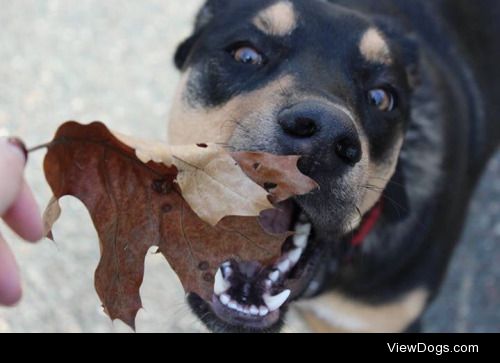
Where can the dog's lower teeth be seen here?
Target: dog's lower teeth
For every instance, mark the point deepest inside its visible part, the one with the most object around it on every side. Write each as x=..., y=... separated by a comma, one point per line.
x=268, y=284
x=225, y=299
x=254, y=310
x=233, y=305
x=294, y=255
x=263, y=311
x=284, y=266
x=274, y=276
x=275, y=302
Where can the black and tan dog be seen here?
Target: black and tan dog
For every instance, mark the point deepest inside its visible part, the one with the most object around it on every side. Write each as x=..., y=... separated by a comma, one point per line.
x=393, y=105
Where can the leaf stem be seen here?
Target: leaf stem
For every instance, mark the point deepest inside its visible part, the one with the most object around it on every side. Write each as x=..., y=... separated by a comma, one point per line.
x=40, y=147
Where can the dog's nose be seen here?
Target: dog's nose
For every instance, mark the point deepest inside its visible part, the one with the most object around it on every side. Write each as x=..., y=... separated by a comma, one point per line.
x=310, y=127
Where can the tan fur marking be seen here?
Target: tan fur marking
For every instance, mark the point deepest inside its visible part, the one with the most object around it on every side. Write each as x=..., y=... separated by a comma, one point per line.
x=279, y=19
x=379, y=176
x=334, y=312
x=190, y=125
x=374, y=48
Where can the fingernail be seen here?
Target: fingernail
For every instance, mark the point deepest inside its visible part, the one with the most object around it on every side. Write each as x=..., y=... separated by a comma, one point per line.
x=19, y=144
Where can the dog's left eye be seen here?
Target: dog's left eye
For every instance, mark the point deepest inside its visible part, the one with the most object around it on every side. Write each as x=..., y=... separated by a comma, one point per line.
x=247, y=55
x=382, y=99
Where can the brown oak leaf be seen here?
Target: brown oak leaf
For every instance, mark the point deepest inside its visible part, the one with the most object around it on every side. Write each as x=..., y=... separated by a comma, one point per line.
x=278, y=175
x=135, y=203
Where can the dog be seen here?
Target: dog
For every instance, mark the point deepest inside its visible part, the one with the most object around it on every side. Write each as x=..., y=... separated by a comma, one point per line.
x=392, y=106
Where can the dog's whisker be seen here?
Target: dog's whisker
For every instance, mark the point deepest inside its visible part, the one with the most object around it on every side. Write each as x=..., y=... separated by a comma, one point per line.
x=389, y=181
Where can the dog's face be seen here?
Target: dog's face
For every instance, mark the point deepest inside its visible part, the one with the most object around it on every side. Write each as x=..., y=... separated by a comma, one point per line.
x=301, y=77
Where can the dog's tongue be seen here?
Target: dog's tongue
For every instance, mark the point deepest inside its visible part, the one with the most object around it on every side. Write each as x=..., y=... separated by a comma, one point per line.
x=279, y=219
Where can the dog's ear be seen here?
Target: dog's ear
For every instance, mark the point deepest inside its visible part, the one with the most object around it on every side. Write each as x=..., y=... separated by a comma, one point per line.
x=203, y=19
x=410, y=54
x=184, y=49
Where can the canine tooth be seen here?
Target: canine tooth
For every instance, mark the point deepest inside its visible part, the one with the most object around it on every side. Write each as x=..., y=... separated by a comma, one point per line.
x=233, y=305
x=221, y=285
x=263, y=311
x=284, y=266
x=225, y=299
x=274, y=276
x=254, y=310
x=294, y=255
x=275, y=302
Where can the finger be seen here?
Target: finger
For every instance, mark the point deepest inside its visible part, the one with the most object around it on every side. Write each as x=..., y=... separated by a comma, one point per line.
x=24, y=216
x=12, y=163
x=10, y=282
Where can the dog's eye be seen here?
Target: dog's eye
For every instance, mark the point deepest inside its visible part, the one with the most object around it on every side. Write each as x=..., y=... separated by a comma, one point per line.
x=382, y=99
x=248, y=55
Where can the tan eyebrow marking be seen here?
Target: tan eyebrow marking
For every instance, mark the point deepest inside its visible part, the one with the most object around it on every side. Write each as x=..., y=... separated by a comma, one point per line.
x=374, y=47
x=279, y=19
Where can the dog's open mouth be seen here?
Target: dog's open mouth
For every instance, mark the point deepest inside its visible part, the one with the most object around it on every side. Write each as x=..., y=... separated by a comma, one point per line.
x=250, y=297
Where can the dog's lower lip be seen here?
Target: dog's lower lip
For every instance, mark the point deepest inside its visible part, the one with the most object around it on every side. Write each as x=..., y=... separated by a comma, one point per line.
x=233, y=317
x=264, y=311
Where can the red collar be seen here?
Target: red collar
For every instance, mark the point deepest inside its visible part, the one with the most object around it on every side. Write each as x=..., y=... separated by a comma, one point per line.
x=367, y=225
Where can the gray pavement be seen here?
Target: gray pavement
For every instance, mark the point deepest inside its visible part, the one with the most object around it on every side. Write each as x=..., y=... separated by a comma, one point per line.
x=111, y=61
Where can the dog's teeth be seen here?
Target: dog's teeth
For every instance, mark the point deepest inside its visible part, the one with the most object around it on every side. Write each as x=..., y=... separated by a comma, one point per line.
x=284, y=266
x=294, y=255
x=233, y=305
x=301, y=237
x=239, y=308
x=225, y=299
x=221, y=285
x=303, y=228
x=254, y=310
x=263, y=311
x=275, y=302
x=300, y=240
x=246, y=310
x=268, y=283
x=226, y=271
x=274, y=276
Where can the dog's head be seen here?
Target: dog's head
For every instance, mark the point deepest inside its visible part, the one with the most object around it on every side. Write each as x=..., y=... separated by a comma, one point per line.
x=295, y=77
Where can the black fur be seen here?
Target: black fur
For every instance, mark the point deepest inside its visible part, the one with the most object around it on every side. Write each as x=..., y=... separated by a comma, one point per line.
x=447, y=79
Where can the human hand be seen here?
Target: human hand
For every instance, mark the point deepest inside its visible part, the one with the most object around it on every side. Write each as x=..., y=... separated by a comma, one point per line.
x=19, y=210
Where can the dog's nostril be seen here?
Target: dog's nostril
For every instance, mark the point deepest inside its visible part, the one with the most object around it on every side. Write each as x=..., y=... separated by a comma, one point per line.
x=348, y=151
x=300, y=127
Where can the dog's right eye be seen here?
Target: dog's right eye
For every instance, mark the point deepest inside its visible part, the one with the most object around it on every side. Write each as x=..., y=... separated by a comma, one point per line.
x=247, y=54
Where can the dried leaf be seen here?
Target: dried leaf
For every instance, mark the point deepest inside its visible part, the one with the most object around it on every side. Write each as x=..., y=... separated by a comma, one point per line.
x=50, y=216
x=279, y=175
x=135, y=204
x=210, y=181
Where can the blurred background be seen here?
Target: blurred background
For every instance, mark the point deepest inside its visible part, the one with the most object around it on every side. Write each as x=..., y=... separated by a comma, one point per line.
x=111, y=60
